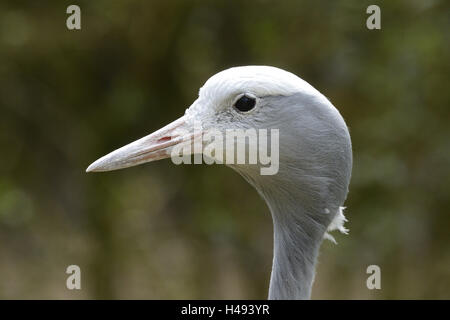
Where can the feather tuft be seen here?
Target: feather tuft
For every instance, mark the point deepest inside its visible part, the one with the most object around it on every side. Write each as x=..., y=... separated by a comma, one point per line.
x=336, y=224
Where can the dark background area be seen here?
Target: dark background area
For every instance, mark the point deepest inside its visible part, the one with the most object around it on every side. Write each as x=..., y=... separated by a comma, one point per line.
x=166, y=231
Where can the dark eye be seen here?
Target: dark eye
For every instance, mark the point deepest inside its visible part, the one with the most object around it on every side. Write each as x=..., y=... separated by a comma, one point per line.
x=245, y=103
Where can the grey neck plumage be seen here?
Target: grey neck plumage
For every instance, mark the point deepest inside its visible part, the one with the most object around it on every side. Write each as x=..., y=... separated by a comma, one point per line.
x=300, y=222
x=297, y=238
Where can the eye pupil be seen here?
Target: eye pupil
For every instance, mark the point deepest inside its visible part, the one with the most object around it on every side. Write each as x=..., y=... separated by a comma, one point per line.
x=245, y=103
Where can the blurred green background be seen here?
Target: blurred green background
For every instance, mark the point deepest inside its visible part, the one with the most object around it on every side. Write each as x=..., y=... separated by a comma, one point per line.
x=166, y=231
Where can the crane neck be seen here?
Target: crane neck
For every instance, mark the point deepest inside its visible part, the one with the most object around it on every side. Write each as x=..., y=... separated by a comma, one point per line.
x=298, y=234
x=299, y=224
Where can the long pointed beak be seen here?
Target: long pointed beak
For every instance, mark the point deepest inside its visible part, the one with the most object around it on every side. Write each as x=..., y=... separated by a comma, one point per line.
x=155, y=146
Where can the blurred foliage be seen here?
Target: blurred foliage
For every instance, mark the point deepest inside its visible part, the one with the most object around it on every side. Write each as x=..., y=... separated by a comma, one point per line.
x=166, y=231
